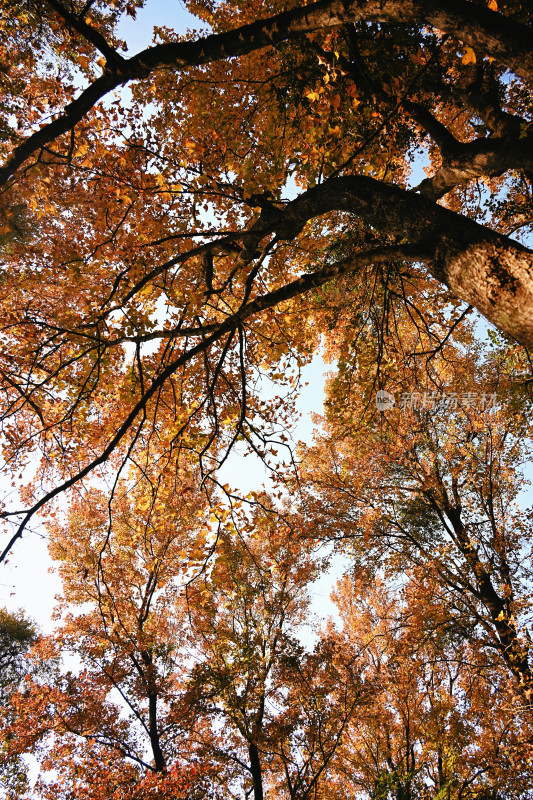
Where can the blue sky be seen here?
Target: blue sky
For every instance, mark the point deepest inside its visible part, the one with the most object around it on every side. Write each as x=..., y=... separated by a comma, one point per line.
x=138, y=33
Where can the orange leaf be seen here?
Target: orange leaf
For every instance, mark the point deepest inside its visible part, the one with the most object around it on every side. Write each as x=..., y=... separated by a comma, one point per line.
x=469, y=56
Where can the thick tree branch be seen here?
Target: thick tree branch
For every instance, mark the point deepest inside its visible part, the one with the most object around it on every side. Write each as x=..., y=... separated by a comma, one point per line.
x=477, y=159
x=482, y=157
x=500, y=122
x=66, y=121
x=481, y=267
x=439, y=133
x=78, y=24
x=486, y=30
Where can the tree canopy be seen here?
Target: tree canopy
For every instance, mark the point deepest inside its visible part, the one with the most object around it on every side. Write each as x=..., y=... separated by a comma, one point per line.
x=182, y=230
x=159, y=244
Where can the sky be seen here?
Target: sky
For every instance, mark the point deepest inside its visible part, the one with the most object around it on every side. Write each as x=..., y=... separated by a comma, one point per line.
x=138, y=32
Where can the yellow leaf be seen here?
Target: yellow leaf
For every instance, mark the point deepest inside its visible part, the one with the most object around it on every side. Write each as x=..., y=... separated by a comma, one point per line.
x=469, y=56
x=493, y=5
x=311, y=96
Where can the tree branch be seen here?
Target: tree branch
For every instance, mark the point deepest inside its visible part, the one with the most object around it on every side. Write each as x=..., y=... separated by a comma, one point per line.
x=500, y=122
x=446, y=141
x=89, y=33
x=478, y=159
x=479, y=27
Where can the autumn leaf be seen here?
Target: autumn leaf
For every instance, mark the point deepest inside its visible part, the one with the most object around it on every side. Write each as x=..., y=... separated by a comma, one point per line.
x=469, y=56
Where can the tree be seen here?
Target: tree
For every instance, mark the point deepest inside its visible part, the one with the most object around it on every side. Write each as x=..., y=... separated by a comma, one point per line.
x=17, y=635
x=271, y=713
x=108, y=710
x=432, y=485
x=438, y=725
x=156, y=261
x=189, y=680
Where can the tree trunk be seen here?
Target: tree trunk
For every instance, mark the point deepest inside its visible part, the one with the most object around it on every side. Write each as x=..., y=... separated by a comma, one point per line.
x=255, y=769
x=159, y=758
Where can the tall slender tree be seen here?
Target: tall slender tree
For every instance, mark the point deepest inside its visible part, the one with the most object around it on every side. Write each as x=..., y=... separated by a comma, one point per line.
x=17, y=635
x=433, y=484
